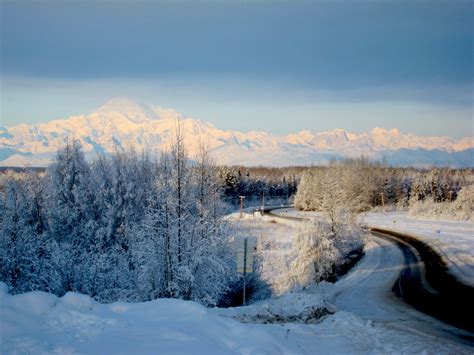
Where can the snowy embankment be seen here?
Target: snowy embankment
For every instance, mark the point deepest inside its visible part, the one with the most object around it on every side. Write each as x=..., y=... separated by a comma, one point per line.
x=41, y=323
x=38, y=322
x=454, y=240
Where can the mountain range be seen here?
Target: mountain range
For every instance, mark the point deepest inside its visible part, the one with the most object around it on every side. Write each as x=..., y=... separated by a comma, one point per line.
x=122, y=124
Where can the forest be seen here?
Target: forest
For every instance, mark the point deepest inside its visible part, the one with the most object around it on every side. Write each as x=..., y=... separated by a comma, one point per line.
x=120, y=228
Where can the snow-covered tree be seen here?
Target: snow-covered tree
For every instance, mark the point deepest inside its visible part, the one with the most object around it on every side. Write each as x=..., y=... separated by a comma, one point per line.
x=24, y=249
x=464, y=204
x=315, y=253
x=184, y=234
x=66, y=179
x=211, y=259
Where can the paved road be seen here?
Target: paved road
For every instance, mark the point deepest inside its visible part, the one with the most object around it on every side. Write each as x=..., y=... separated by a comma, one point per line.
x=368, y=292
x=391, y=274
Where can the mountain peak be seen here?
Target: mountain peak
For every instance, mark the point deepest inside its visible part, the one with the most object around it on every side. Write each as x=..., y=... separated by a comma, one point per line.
x=382, y=131
x=379, y=131
x=126, y=107
x=119, y=103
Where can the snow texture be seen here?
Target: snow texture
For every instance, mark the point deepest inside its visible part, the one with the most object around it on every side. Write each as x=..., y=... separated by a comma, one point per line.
x=40, y=323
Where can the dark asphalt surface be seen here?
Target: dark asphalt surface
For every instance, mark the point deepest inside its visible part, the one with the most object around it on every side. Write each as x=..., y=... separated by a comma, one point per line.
x=426, y=284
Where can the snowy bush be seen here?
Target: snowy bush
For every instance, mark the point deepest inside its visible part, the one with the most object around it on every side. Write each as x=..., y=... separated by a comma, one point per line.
x=316, y=252
x=321, y=247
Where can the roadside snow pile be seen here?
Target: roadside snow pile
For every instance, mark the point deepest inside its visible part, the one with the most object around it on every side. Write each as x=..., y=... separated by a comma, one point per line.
x=375, y=338
x=304, y=306
x=452, y=239
x=292, y=212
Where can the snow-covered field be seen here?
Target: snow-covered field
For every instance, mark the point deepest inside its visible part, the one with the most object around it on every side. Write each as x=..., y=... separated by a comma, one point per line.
x=453, y=239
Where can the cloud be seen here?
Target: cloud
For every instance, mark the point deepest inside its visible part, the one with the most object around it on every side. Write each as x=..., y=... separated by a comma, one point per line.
x=325, y=45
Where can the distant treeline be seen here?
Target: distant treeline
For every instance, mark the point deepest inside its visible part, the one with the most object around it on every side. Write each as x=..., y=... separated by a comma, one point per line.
x=255, y=183
x=360, y=184
x=39, y=169
x=363, y=182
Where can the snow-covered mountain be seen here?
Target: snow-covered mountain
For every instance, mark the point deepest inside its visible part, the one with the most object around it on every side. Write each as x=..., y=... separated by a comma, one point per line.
x=123, y=124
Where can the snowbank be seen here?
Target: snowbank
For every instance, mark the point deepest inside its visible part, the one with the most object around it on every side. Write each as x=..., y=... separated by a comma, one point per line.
x=452, y=239
x=40, y=323
x=303, y=306
x=292, y=212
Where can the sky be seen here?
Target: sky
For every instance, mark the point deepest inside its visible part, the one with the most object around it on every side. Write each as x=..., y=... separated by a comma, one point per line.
x=279, y=66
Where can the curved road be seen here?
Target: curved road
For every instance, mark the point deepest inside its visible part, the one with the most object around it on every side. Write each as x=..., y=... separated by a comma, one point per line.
x=393, y=272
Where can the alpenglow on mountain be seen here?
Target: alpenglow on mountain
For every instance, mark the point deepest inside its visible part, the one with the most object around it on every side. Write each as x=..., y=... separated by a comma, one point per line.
x=121, y=124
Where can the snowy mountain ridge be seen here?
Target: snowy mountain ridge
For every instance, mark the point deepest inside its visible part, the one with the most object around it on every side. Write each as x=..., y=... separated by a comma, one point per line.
x=123, y=124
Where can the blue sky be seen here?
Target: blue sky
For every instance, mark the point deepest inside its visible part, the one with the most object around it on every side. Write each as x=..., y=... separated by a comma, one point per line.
x=280, y=66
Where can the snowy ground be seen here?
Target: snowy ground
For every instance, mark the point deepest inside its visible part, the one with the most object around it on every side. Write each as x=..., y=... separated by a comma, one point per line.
x=273, y=249
x=292, y=212
x=453, y=239
x=363, y=300
x=37, y=322
x=366, y=317
x=40, y=323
